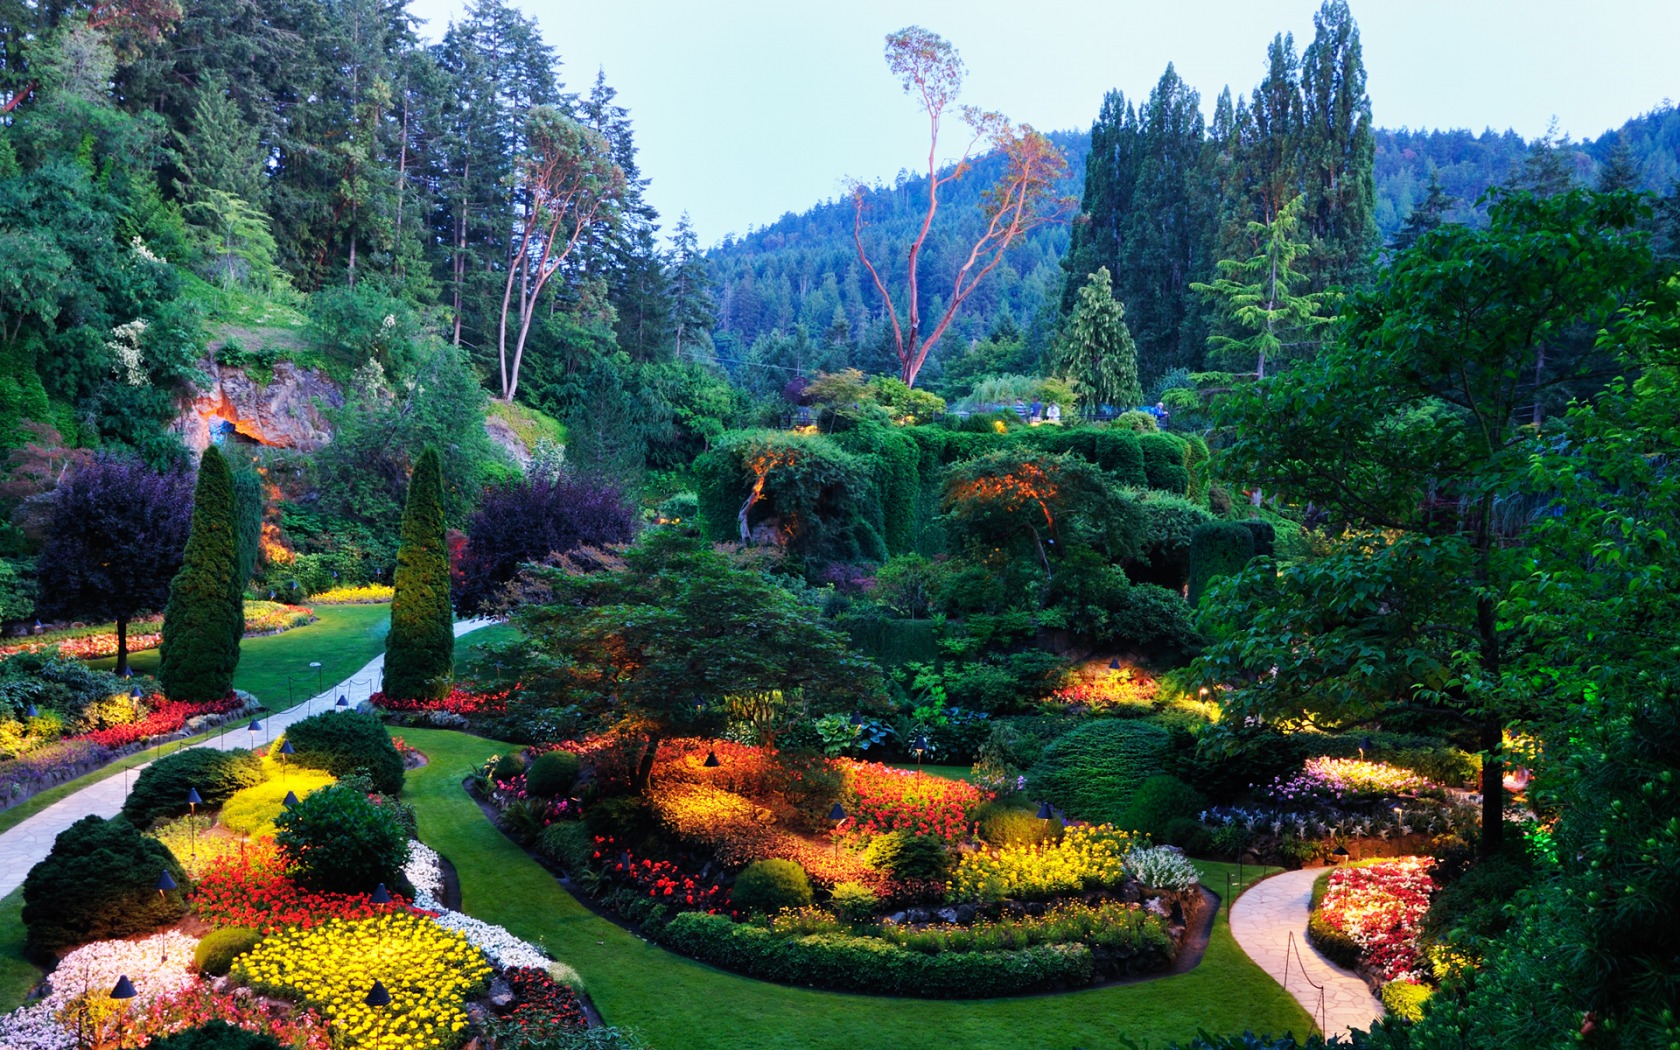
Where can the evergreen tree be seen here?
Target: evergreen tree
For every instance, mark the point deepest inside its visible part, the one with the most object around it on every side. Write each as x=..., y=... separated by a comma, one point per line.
x=1621, y=168
x=1097, y=351
x=1337, y=152
x=1110, y=175
x=1426, y=216
x=1546, y=168
x=205, y=618
x=693, y=307
x=420, y=650
x=222, y=151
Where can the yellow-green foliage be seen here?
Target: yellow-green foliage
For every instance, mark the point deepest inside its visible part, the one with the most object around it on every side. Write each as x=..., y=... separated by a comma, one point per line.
x=366, y=594
x=527, y=424
x=1086, y=858
x=252, y=811
x=1405, y=999
x=215, y=953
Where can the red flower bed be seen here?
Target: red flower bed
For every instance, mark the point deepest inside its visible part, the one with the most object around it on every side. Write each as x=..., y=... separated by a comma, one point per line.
x=1380, y=906
x=165, y=716
x=297, y=1027
x=662, y=879
x=540, y=1005
x=250, y=890
x=458, y=702
x=887, y=799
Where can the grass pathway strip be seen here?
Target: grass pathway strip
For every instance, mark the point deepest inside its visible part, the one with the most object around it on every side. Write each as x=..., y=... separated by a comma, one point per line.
x=679, y=1004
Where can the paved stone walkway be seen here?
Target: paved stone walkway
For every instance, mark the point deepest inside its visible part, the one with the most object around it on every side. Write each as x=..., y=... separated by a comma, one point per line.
x=1262, y=920
x=28, y=844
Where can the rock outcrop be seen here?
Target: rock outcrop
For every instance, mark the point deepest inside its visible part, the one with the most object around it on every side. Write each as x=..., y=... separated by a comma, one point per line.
x=282, y=413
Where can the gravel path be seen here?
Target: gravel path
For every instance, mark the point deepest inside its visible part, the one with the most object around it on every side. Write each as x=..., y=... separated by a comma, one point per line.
x=1262, y=920
x=28, y=844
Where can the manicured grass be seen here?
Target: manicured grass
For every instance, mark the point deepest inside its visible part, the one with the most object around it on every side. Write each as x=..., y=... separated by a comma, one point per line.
x=677, y=1004
x=948, y=772
x=470, y=659
x=17, y=974
x=343, y=638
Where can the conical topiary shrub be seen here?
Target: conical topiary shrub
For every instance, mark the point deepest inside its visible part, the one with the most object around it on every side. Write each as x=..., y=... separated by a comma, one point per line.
x=420, y=650
x=205, y=618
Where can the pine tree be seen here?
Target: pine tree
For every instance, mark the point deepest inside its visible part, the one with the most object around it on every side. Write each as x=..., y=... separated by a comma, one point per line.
x=1110, y=175
x=1426, y=216
x=693, y=307
x=205, y=619
x=1337, y=153
x=1545, y=170
x=420, y=650
x=1621, y=168
x=1097, y=351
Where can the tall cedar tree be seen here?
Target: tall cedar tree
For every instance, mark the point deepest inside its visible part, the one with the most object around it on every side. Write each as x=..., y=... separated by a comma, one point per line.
x=204, y=619
x=118, y=529
x=420, y=650
x=1097, y=352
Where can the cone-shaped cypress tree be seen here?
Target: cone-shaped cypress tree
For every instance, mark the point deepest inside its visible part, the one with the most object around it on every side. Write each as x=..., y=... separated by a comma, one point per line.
x=420, y=650
x=204, y=620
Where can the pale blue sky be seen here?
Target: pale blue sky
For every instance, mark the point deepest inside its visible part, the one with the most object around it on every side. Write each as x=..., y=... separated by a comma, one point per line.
x=746, y=110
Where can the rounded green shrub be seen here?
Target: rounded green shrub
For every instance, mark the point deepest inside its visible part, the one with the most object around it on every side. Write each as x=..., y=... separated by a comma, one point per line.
x=98, y=883
x=1094, y=770
x=552, y=773
x=908, y=856
x=340, y=841
x=1164, y=458
x=161, y=788
x=567, y=843
x=768, y=886
x=853, y=901
x=1404, y=999
x=509, y=766
x=215, y=953
x=215, y=1035
x=1161, y=807
x=346, y=742
x=1004, y=823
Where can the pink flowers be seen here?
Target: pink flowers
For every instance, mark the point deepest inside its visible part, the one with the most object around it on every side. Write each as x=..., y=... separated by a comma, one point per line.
x=1380, y=906
x=1338, y=778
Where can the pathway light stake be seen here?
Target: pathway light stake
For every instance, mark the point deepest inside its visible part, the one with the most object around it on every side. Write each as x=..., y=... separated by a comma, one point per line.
x=320, y=683
x=289, y=801
x=192, y=820
x=123, y=992
x=165, y=883
x=919, y=745
x=711, y=759
x=381, y=895
x=31, y=712
x=254, y=728
x=1338, y=854
x=377, y=997
x=1114, y=664
x=285, y=750
x=838, y=816
x=344, y=701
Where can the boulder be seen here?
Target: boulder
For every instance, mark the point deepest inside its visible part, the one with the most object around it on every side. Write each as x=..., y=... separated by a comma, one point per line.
x=282, y=413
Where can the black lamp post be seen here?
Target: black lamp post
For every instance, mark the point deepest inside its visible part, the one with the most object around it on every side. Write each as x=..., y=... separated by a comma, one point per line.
x=838, y=816
x=285, y=750
x=1045, y=812
x=254, y=728
x=123, y=992
x=1338, y=854
x=381, y=895
x=379, y=998
x=919, y=745
x=343, y=702
x=192, y=819
x=31, y=712
x=289, y=801
x=165, y=883
x=1114, y=664
x=711, y=759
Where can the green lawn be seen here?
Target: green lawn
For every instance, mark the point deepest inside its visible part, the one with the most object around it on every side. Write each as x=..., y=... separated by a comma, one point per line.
x=17, y=974
x=678, y=1004
x=948, y=772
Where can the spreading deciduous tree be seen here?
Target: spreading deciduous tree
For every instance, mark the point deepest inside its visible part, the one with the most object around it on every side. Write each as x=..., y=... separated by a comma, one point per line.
x=530, y=520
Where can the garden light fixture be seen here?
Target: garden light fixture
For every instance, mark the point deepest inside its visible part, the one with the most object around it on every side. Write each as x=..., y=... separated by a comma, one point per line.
x=289, y=801
x=343, y=701
x=165, y=882
x=711, y=760
x=124, y=988
x=377, y=996
x=857, y=719
x=838, y=813
x=1044, y=811
x=919, y=745
x=381, y=895
x=1114, y=664
x=31, y=712
x=1338, y=854
x=192, y=822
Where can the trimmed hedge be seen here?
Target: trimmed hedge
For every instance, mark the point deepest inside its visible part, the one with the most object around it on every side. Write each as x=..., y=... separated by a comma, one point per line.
x=99, y=883
x=1165, y=808
x=552, y=773
x=345, y=742
x=568, y=844
x=867, y=964
x=1094, y=770
x=1003, y=823
x=1217, y=549
x=905, y=855
x=420, y=649
x=1164, y=457
x=1265, y=536
x=205, y=618
x=161, y=788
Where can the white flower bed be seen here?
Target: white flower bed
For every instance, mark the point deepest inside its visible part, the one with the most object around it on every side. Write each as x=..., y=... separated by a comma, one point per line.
x=504, y=949
x=1161, y=868
x=157, y=965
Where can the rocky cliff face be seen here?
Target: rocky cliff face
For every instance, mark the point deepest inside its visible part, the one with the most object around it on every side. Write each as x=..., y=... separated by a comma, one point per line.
x=282, y=413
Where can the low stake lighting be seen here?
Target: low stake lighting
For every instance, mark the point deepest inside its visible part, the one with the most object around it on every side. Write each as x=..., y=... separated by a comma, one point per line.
x=165, y=882
x=192, y=819
x=377, y=996
x=711, y=760
x=1045, y=812
x=289, y=801
x=381, y=895
x=919, y=745
x=343, y=702
x=123, y=992
x=838, y=816
x=286, y=750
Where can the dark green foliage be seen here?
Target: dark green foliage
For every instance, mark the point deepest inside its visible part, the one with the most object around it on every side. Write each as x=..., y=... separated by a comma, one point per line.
x=248, y=516
x=1265, y=536
x=420, y=650
x=68, y=687
x=1165, y=808
x=891, y=642
x=1164, y=462
x=1169, y=522
x=910, y=856
x=215, y=953
x=99, y=882
x=205, y=618
x=161, y=788
x=509, y=766
x=768, y=886
x=1013, y=821
x=1155, y=623
x=1473, y=910
x=552, y=773
x=569, y=844
x=1227, y=758
x=826, y=499
x=216, y=1035
x=346, y=742
x=341, y=841
x=869, y=964
x=1217, y=549
x=1092, y=771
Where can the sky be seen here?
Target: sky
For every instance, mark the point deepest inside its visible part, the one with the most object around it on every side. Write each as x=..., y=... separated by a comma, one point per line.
x=744, y=110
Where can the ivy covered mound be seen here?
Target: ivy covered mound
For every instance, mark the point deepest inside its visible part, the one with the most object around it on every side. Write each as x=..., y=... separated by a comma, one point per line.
x=850, y=875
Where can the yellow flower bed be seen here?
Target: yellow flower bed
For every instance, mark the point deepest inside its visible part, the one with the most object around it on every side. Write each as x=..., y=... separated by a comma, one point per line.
x=429, y=971
x=704, y=814
x=251, y=811
x=367, y=593
x=1086, y=858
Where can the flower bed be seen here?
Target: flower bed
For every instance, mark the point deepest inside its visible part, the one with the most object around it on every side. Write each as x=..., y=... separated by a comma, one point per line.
x=884, y=799
x=1326, y=778
x=274, y=617
x=540, y=1005
x=55, y=763
x=163, y=717
x=98, y=641
x=366, y=594
x=250, y=890
x=662, y=880
x=429, y=971
x=1378, y=906
x=159, y=966
x=458, y=702
x=1086, y=858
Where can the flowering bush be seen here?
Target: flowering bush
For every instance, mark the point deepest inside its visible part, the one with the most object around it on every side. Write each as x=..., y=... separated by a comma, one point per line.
x=300, y=1028
x=1087, y=858
x=189, y=838
x=429, y=971
x=705, y=815
x=163, y=717
x=45, y=766
x=159, y=966
x=366, y=594
x=663, y=880
x=884, y=799
x=1379, y=906
x=540, y=1007
x=273, y=617
x=1328, y=778
x=251, y=811
x=250, y=890
x=458, y=702
x=1162, y=868
x=1107, y=690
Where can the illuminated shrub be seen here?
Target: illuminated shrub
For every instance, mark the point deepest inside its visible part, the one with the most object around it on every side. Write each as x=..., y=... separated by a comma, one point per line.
x=1087, y=858
x=509, y=766
x=252, y=810
x=909, y=856
x=161, y=788
x=215, y=954
x=768, y=886
x=99, y=882
x=338, y=840
x=346, y=742
x=1094, y=770
x=552, y=773
x=1404, y=999
x=853, y=901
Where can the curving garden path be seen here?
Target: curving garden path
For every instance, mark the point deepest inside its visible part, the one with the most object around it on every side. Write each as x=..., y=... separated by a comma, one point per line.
x=27, y=844
x=1262, y=920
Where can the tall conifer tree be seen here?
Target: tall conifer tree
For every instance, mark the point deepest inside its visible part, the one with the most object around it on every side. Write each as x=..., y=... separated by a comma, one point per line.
x=1337, y=151
x=1097, y=351
x=420, y=650
x=205, y=619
